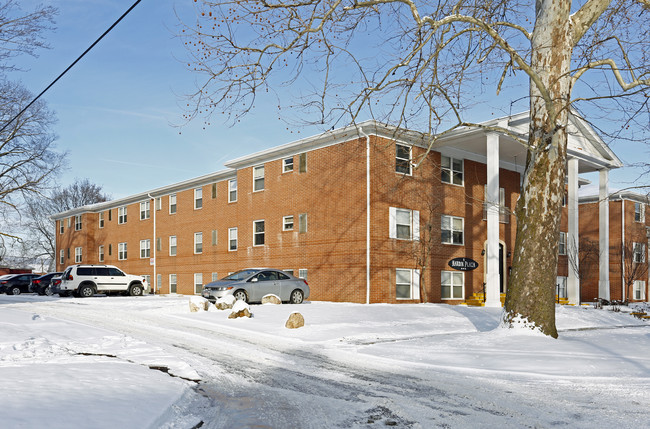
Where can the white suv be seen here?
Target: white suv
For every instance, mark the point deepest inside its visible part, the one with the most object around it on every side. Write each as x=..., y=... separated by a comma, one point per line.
x=87, y=280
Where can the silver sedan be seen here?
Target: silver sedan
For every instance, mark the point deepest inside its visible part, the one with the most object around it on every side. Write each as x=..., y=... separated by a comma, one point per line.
x=251, y=284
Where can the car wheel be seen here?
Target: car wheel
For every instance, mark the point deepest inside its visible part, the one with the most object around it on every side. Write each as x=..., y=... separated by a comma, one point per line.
x=48, y=291
x=296, y=297
x=86, y=291
x=14, y=291
x=240, y=295
x=136, y=290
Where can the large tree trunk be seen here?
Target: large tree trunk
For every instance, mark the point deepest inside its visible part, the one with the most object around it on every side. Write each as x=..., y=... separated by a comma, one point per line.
x=531, y=291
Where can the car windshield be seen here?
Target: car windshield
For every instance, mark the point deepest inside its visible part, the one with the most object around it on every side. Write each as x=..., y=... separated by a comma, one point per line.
x=240, y=275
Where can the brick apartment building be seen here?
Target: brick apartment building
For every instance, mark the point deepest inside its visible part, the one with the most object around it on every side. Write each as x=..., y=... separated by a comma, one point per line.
x=629, y=240
x=347, y=210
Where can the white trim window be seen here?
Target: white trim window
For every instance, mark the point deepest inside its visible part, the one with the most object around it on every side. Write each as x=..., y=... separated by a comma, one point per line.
x=452, y=284
x=287, y=223
x=407, y=283
x=403, y=155
x=61, y=226
x=121, y=215
x=403, y=224
x=101, y=219
x=639, y=290
x=232, y=190
x=638, y=253
x=198, y=198
x=77, y=223
x=172, y=203
x=61, y=256
x=562, y=243
x=561, y=287
x=145, y=248
x=173, y=283
x=451, y=170
x=258, y=233
x=145, y=210
x=232, y=239
x=172, y=245
x=215, y=277
x=258, y=178
x=452, y=230
x=78, y=251
x=287, y=165
x=198, y=243
x=198, y=283
x=639, y=212
x=121, y=251
x=158, y=204
x=101, y=253
x=302, y=273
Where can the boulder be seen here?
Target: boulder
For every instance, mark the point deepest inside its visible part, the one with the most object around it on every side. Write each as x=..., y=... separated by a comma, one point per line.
x=240, y=309
x=295, y=321
x=271, y=299
x=198, y=303
x=225, y=303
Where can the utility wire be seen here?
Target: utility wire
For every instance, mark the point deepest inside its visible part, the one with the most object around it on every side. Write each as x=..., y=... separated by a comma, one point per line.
x=70, y=66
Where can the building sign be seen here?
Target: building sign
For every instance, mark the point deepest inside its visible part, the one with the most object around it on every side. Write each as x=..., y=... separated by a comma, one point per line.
x=463, y=264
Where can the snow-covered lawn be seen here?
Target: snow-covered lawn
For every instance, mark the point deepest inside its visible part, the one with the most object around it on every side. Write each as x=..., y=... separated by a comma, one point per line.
x=148, y=362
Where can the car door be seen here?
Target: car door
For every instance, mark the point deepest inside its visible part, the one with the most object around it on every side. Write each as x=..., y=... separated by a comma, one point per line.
x=118, y=279
x=266, y=282
x=285, y=286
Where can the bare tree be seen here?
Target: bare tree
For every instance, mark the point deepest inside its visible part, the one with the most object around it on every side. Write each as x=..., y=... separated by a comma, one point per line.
x=41, y=239
x=587, y=260
x=631, y=258
x=421, y=63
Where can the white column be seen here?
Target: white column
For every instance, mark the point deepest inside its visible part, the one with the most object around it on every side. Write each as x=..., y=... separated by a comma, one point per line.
x=573, y=281
x=493, y=280
x=603, y=234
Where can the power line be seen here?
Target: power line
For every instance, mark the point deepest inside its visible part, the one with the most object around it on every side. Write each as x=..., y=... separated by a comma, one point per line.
x=71, y=65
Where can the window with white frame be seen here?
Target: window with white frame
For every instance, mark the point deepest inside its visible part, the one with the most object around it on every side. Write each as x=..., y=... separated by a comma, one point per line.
x=287, y=165
x=287, y=223
x=302, y=273
x=452, y=285
x=562, y=243
x=198, y=283
x=639, y=212
x=451, y=170
x=404, y=224
x=77, y=255
x=258, y=233
x=302, y=222
x=232, y=239
x=561, y=289
x=101, y=219
x=172, y=204
x=145, y=248
x=215, y=277
x=77, y=223
x=639, y=253
x=198, y=242
x=258, y=178
x=172, y=245
x=172, y=283
x=198, y=198
x=121, y=215
x=402, y=159
x=61, y=256
x=121, y=251
x=61, y=226
x=407, y=283
x=639, y=289
x=145, y=210
x=101, y=253
x=232, y=190
x=452, y=230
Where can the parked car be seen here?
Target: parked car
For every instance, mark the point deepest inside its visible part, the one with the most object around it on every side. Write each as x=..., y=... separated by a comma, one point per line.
x=55, y=285
x=251, y=284
x=16, y=283
x=41, y=285
x=87, y=280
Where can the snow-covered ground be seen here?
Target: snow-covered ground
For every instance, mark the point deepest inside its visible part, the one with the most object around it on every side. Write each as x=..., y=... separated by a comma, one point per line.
x=148, y=362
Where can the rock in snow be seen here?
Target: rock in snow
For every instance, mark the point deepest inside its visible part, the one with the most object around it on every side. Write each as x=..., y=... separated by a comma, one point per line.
x=295, y=321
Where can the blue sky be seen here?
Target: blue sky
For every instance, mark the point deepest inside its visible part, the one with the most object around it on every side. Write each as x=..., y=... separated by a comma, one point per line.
x=116, y=108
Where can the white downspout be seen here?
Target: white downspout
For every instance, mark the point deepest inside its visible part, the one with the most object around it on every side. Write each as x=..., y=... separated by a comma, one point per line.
x=623, y=286
x=367, y=137
x=155, y=245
